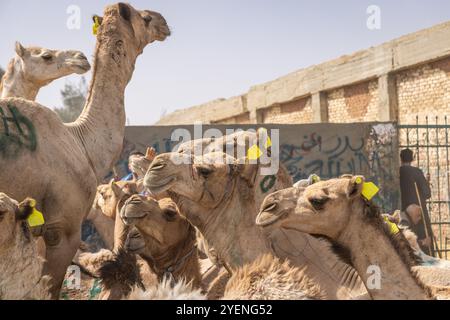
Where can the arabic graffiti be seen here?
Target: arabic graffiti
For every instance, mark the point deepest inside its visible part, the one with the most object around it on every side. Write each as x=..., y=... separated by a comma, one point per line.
x=332, y=156
x=17, y=132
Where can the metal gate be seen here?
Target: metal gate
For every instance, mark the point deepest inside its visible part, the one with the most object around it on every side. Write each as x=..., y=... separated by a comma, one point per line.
x=429, y=139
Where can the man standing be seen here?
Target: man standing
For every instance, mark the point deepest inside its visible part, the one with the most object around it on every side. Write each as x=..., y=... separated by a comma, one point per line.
x=410, y=177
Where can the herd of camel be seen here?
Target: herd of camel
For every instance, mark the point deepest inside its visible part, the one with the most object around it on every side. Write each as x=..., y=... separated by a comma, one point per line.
x=186, y=227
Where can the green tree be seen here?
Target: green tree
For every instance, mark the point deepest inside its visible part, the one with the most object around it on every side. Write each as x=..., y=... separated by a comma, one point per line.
x=73, y=98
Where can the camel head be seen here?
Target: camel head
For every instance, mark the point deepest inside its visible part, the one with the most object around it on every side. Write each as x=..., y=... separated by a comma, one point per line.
x=323, y=208
x=142, y=26
x=13, y=218
x=157, y=221
x=41, y=66
x=109, y=195
x=205, y=180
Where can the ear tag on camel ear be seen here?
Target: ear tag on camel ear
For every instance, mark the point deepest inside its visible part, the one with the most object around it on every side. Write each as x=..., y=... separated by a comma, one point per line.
x=314, y=178
x=254, y=152
x=369, y=189
x=268, y=142
x=36, y=217
x=95, y=26
x=393, y=228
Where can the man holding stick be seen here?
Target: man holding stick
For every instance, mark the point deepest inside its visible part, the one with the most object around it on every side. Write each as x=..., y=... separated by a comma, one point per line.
x=415, y=190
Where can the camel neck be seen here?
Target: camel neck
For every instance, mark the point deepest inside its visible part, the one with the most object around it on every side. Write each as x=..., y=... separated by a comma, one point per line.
x=15, y=84
x=100, y=127
x=384, y=273
x=233, y=233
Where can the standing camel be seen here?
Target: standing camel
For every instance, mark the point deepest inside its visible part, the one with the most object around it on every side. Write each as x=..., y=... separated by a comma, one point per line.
x=33, y=68
x=60, y=164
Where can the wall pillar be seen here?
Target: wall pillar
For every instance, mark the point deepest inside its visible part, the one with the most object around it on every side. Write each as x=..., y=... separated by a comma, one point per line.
x=388, y=101
x=319, y=106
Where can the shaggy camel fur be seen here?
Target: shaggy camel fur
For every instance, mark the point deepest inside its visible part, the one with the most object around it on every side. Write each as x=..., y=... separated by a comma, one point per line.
x=86, y=149
x=33, y=68
x=20, y=265
x=267, y=278
x=164, y=239
x=217, y=195
x=336, y=209
x=166, y=290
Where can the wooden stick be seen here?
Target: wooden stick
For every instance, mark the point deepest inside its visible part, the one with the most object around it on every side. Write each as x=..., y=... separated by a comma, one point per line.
x=424, y=221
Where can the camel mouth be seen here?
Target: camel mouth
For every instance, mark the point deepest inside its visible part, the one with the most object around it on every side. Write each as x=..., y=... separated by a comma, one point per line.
x=161, y=185
x=134, y=243
x=80, y=66
x=266, y=217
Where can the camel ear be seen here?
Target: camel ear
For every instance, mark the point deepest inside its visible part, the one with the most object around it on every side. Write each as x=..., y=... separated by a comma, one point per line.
x=247, y=171
x=355, y=186
x=150, y=154
x=124, y=11
x=115, y=188
x=24, y=209
x=99, y=19
x=20, y=50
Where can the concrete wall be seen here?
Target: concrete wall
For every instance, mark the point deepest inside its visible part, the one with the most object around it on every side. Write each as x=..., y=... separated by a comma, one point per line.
x=393, y=81
x=328, y=150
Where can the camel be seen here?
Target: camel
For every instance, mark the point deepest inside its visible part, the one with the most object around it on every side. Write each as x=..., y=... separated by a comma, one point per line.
x=164, y=238
x=337, y=209
x=20, y=265
x=69, y=160
x=33, y=68
x=219, y=199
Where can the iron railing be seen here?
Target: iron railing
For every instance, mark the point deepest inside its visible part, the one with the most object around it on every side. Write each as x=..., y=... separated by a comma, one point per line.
x=430, y=143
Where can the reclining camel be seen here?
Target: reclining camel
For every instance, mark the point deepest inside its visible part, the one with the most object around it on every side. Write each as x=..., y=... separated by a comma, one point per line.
x=219, y=199
x=33, y=68
x=20, y=265
x=336, y=209
x=85, y=149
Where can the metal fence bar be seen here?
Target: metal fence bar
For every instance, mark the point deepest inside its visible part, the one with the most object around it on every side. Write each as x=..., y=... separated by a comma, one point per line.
x=430, y=154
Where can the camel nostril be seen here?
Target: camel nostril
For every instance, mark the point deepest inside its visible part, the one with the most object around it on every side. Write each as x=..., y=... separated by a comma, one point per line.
x=270, y=207
x=157, y=166
x=80, y=56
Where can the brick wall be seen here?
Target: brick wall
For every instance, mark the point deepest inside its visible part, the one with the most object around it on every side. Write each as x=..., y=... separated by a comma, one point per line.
x=298, y=111
x=424, y=91
x=243, y=118
x=356, y=103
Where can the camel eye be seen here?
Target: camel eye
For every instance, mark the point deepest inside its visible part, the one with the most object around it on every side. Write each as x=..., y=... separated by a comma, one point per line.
x=318, y=203
x=147, y=20
x=170, y=214
x=46, y=56
x=204, y=172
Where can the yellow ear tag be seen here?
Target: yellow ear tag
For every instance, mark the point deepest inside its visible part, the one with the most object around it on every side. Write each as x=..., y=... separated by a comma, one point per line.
x=315, y=178
x=393, y=228
x=268, y=143
x=36, y=217
x=369, y=190
x=254, y=153
x=95, y=26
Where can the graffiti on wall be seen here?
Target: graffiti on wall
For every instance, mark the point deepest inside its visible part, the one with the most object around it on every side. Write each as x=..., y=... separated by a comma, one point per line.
x=328, y=150
x=16, y=132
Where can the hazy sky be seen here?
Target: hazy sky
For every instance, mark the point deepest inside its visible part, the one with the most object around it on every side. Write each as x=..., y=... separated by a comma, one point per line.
x=219, y=48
